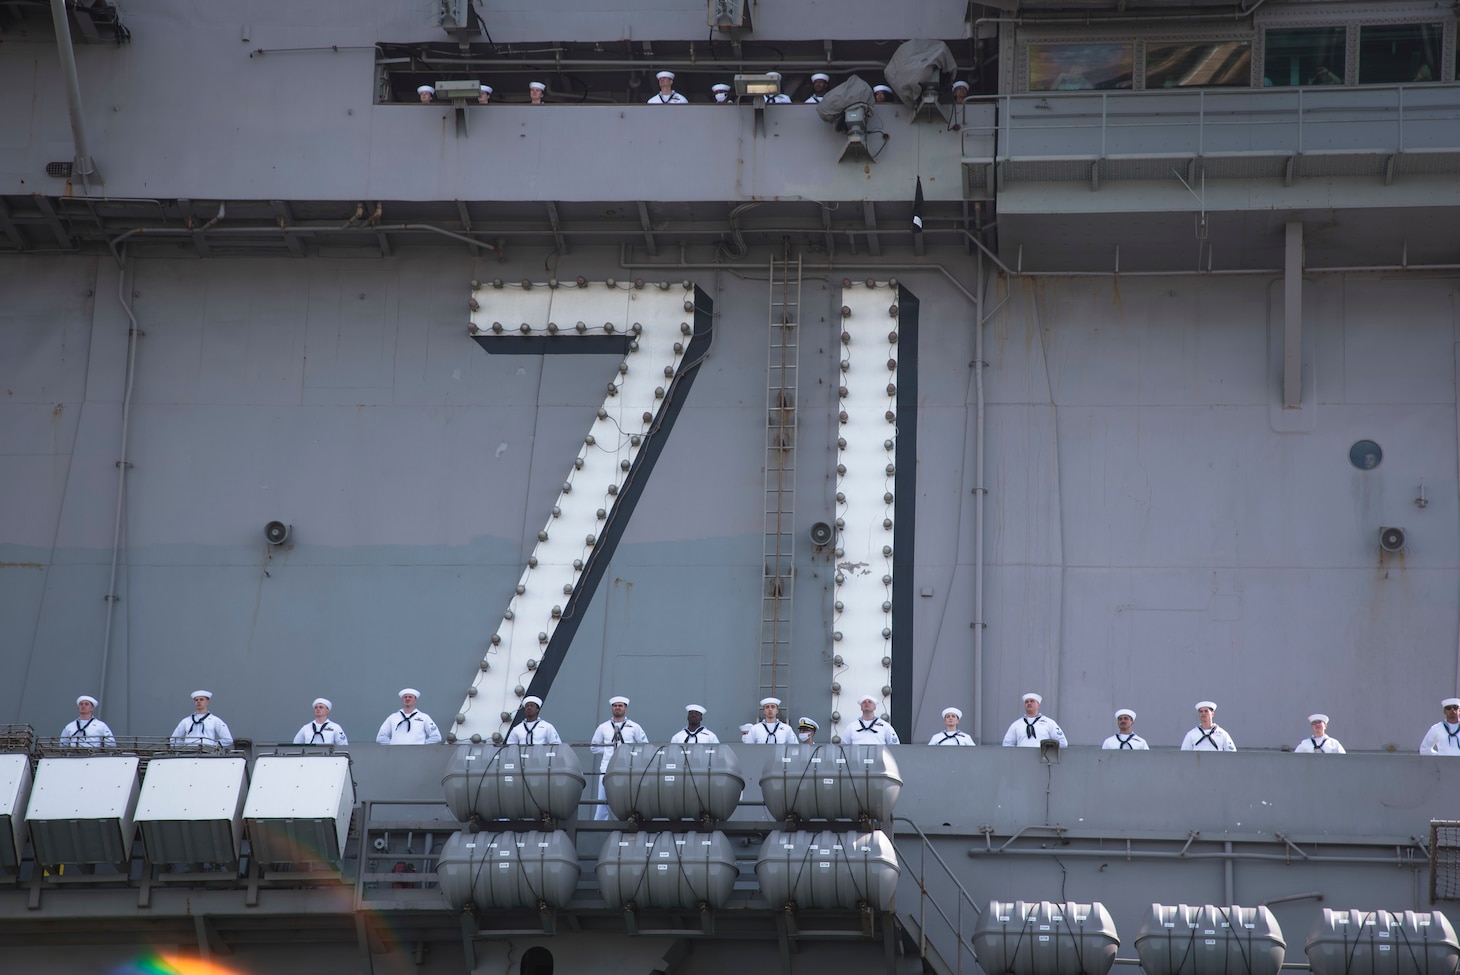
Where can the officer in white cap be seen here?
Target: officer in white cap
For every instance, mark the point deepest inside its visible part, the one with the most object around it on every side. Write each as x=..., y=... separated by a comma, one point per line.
x=819, y=85
x=806, y=730
x=1207, y=736
x=536, y=92
x=87, y=731
x=408, y=726
x=722, y=94
x=426, y=94
x=321, y=731
x=1443, y=738
x=694, y=731
x=617, y=730
x=1125, y=738
x=484, y=97
x=770, y=730
x=202, y=728
x=1318, y=742
x=882, y=94
x=870, y=729
x=532, y=730
x=666, y=94
x=1033, y=727
x=950, y=735
x=778, y=99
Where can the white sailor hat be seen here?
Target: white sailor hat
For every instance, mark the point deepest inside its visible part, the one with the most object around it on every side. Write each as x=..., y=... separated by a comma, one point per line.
x=807, y=723
x=868, y=697
x=695, y=707
x=720, y=87
x=1317, y=717
x=1450, y=702
x=325, y=701
x=409, y=690
x=1206, y=704
x=488, y=89
x=88, y=697
x=425, y=89
x=960, y=84
x=532, y=699
x=882, y=88
x=664, y=74
x=1126, y=711
x=1031, y=694
x=538, y=85
x=953, y=711
x=819, y=76
x=207, y=694
x=619, y=699
x=770, y=700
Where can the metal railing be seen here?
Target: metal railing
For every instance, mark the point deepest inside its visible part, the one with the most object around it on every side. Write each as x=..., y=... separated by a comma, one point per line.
x=963, y=954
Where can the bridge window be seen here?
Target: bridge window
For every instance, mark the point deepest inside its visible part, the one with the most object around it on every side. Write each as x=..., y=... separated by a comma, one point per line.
x=1303, y=56
x=1209, y=64
x=1080, y=67
x=1400, y=54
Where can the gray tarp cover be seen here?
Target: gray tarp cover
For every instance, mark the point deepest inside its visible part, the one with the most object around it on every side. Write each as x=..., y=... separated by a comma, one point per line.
x=910, y=64
x=849, y=92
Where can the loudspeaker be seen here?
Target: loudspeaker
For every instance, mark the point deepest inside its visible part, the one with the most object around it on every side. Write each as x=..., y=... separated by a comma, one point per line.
x=1391, y=539
x=276, y=533
x=820, y=534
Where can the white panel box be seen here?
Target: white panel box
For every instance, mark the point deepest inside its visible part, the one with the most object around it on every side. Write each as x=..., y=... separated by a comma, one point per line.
x=191, y=810
x=15, y=782
x=81, y=809
x=298, y=808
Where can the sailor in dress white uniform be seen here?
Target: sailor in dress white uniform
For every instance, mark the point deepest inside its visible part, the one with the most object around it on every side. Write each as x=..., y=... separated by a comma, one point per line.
x=321, y=731
x=1443, y=738
x=1207, y=735
x=950, y=735
x=1030, y=730
x=202, y=728
x=770, y=729
x=532, y=730
x=694, y=731
x=408, y=726
x=617, y=730
x=88, y=731
x=819, y=85
x=1318, y=743
x=1125, y=738
x=666, y=94
x=870, y=729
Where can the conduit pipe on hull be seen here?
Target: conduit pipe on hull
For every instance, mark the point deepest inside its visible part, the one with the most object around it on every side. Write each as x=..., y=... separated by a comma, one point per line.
x=112, y=598
x=83, y=166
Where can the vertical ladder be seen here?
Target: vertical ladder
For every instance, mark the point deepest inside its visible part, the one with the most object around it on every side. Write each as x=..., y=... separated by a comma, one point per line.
x=780, y=473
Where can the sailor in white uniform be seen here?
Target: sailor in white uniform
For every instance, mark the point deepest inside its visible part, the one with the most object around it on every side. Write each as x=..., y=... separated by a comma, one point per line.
x=1125, y=738
x=532, y=730
x=882, y=94
x=87, y=731
x=1443, y=738
x=722, y=94
x=950, y=735
x=1030, y=730
x=536, y=93
x=870, y=729
x=617, y=730
x=1207, y=735
x=1318, y=743
x=694, y=731
x=806, y=731
x=778, y=99
x=666, y=94
x=321, y=731
x=426, y=94
x=819, y=85
x=484, y=97
x=770, y=730
x=202, y=728
x=408, y=726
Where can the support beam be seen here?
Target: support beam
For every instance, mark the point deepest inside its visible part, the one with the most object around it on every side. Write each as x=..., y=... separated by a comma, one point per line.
x=559, y=240
x=869, y=220
x=649, y=240
x=285, y=216
x=826, y=230
x=1293, y=318
x=48, y=210
x=465, y=215
x=8, y=227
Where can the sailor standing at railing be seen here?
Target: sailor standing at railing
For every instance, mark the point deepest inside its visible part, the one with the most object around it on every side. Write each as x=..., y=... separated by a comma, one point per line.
x=1207, y=736
x=1125, y=738
x=694, y=731
x=532, y=730
x=87, y=731
x=409, y=726
x=950, y=735
x=1319, y=743
x=770, y=729
x=1034, y=727
x=1443, y=738
x=667, y=95
x=869, y=729
x=321, y=731
x=617, y=730
x=202, y=728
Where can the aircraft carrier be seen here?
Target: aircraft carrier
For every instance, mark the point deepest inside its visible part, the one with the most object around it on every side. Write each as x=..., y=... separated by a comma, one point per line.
x=1129, y=380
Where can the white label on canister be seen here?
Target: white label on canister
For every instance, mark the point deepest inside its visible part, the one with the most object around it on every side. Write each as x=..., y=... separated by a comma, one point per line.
x=551, y=754
x=825, y=866
x=1382, y=934
x=868, y=761
x=505, y=853
x=836, y=846
x=668, y=778
x=669, y=765
x=1385, y=947
x=623, y=842
x=506, y=778
x=841, y=761
x=471, y=758
x=816, y=760
x=663, y=866
x=1044, y=927
x=663, y=854
x=1003, y=917
x=1249, y=927
x=508, y=766
x=828, y=781
x=503, y=866
x=1044, y=937
x=1422, y=922
x=1168, y=924
x=471, y=846
x=1210, y=942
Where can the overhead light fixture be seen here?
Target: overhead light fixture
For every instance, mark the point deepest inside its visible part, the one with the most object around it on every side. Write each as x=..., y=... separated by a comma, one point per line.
x=458, y=92
x=757, y=84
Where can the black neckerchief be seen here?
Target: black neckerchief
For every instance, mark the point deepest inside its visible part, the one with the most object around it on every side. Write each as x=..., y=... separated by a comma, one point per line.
x=1029, y=726
x=1126, y=741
